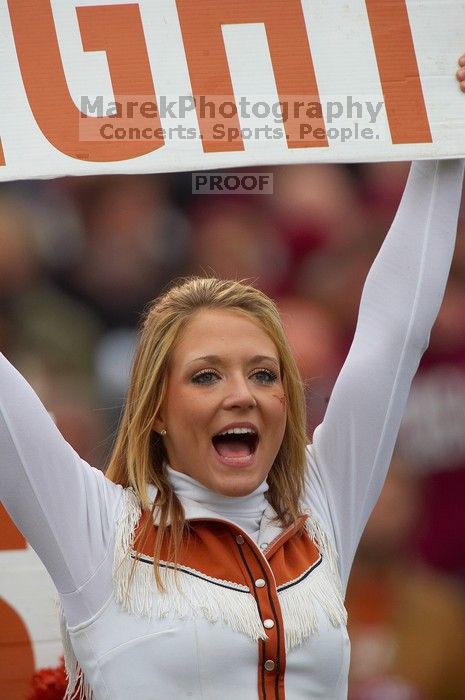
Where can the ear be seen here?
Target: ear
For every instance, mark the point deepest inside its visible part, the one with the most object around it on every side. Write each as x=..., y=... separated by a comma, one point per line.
x=158, y=424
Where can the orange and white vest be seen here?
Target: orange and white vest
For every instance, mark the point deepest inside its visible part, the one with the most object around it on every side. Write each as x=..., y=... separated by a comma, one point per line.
x=250, y=620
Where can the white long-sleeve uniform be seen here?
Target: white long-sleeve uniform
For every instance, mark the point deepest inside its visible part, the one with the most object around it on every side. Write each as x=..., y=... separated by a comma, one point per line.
x=69, y=511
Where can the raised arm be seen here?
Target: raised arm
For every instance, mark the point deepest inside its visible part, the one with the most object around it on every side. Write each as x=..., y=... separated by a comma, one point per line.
x=353, y=446
x=64, y=508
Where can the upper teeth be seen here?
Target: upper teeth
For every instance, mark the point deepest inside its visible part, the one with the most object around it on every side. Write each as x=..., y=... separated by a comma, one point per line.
x=238, y=431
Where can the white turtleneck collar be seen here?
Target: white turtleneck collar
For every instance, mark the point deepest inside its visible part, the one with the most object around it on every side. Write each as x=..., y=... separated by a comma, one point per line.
x=244, y=511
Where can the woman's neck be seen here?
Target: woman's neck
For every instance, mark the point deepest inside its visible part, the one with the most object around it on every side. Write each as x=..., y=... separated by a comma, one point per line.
x=244, y=511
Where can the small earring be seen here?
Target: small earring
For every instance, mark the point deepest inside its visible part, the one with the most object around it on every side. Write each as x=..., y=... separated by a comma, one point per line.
x=163, y=432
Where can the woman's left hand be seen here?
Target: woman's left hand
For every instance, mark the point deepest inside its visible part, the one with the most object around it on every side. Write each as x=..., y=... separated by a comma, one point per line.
x=460, y=75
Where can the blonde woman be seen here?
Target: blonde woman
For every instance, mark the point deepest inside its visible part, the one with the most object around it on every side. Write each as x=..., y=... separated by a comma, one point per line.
x=212, y=559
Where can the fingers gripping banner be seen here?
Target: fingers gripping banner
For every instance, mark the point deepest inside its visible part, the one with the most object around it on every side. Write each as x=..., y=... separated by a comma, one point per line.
x=125, y=87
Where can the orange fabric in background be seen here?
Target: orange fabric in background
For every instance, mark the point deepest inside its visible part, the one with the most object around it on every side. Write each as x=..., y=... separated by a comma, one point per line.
x=16, y=655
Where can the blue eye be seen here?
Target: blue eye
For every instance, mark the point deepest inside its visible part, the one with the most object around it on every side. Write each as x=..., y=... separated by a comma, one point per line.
x=207, y=376
x=265, y=376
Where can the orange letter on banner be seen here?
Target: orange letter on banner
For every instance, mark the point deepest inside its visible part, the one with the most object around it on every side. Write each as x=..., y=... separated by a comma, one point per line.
x=116, y=29
x=201, y=22
x=398, y=71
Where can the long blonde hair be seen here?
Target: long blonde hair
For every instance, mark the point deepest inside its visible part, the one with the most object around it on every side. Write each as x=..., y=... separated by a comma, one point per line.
x=139, y=455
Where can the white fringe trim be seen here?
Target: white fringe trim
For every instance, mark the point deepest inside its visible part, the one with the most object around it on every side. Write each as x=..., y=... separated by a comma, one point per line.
x=322, y=586
x=77, y=688
x=122, y=561
x=189, y=594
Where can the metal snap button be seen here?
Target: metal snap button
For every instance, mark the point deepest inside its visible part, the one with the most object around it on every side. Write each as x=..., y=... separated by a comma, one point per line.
x=269, y=665
x=260, y=583
x=240, y=539
x=264, y=545
x=268, y=624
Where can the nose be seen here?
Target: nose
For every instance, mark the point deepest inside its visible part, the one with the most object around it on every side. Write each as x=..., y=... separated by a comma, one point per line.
x=239, y=394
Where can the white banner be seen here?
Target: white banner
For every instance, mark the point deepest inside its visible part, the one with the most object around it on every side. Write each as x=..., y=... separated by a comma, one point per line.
x=165, y=85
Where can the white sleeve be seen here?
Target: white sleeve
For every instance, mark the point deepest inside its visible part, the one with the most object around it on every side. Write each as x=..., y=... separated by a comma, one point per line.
x=65, y=508
x=352, y=448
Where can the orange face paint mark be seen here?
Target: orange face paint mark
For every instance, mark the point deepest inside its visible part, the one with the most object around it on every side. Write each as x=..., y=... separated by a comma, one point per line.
x=281, y=399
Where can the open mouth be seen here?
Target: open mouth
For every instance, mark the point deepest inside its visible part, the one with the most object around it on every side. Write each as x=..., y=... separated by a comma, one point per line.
x=236, y=443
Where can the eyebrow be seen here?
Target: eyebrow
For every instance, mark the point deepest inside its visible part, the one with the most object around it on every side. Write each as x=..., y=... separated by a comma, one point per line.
x=216, y=359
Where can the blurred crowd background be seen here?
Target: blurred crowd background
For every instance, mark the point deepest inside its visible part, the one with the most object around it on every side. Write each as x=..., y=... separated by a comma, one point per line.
x=80, y=258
